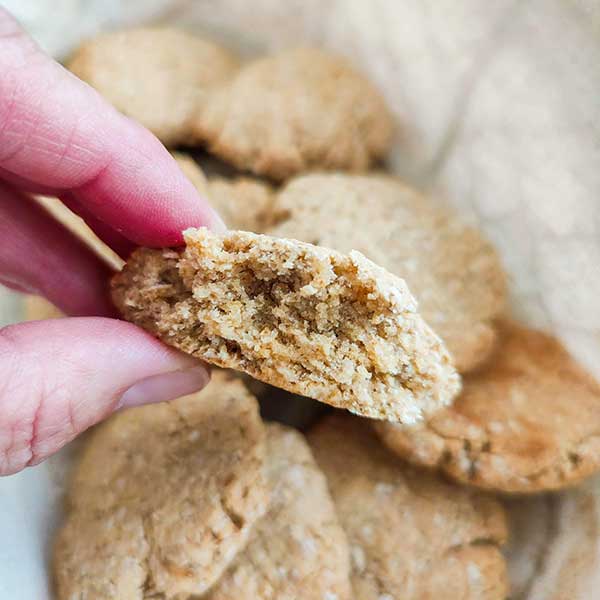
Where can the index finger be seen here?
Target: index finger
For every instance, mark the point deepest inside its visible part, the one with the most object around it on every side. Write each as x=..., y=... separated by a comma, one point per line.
x=59, y=133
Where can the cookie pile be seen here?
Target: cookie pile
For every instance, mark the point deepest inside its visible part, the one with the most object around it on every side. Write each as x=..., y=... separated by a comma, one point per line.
x=337, y=283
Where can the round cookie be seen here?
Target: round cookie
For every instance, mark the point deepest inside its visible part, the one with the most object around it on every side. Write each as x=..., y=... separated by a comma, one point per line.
x=298, y=549
x=158, y=76
x=299, y=110
x=411, y=534
x=242, y=202
x=334, y=327
x=528, y=421
x=454, y=273
x=163, y=498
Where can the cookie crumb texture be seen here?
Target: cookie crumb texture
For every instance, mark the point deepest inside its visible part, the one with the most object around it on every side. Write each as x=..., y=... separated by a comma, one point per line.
x=411, y=534
x=299, y=110
x=159, y=76
x=453, y=272
x=163, y=498
x=298, y=549
x=527, y=422
x=335, y=328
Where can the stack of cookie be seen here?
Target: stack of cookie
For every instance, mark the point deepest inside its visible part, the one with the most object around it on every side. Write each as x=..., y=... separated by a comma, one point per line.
x=339, y=284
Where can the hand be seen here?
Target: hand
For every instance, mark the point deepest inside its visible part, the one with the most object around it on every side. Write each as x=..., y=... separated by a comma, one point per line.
x=58, y=136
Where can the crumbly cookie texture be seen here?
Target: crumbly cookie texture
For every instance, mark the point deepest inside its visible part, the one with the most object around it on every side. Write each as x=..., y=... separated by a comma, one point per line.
x=455, y=274
x=158, y=76
x=529, y=421
x=242, y=202
x=336, y=328
x=298, y=549
x=163, y=498
x=299, y=110
x=411, y=535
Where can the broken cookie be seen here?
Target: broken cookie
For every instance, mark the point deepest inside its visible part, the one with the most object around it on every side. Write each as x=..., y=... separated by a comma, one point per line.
x=334, y=327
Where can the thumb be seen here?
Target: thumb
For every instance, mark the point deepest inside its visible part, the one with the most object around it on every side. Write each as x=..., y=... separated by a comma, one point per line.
x=59, y=377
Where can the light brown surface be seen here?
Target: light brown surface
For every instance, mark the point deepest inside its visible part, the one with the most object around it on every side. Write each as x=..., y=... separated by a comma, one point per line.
x=163, y=498
x=453, y=272
x=242, y=202
x=158, y=76
x=298, y=549
x=412, y=536
x=36, y=308
x=332, y=327
x=298, y=110
x=529, y=421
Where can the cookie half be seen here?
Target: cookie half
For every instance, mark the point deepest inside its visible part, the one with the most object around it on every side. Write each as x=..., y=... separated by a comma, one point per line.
x=163, y=498
x=528, y=421
x=302, y=109
x=411, y=535
x=298, y=549
x=159, y=76
x=453, y=272
x=334, y=327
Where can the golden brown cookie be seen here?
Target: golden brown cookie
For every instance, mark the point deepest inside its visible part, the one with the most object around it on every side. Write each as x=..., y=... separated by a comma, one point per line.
x=163, y=498
x=36, y=308
x=334, y=327
x=242, y=202
x=454, y=273
x=298, y=549
x=159, y=76
x=299, y=110
x=411, y=535
x=528, y=421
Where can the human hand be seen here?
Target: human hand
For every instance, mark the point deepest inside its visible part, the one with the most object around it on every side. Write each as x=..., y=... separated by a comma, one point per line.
x=59, y=137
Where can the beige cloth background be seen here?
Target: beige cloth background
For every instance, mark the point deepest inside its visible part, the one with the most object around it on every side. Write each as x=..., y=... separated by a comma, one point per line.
x=498, y=110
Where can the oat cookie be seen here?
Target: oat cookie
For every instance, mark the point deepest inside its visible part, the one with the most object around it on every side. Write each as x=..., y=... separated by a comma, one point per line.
x=411, y=534
x=334, y=327
x=528, y=421
x=298, y=549
x=242, y=202
x=455, y=274
x=299, y=110
x=163, y=498
x=159, y=76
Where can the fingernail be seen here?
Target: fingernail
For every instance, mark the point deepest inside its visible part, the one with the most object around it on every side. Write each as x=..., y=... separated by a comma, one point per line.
x=166, y=386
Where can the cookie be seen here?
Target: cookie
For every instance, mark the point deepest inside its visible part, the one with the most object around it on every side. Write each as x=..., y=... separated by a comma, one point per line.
x=528, y=421
x=298, y=549
x=334, y=327
x=454, y=273
x=299, y=110
x=36, y=308
x=159, y=76
x=242, y=202
x=411, y=534
x=164, y=497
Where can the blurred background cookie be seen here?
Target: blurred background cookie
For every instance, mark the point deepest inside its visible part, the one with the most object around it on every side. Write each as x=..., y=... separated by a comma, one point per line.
x=299, y=110
x=411, y=534
x=163, y=497
x=528, y=421
x=298, y=549
x=453, y=272
x=158, y=76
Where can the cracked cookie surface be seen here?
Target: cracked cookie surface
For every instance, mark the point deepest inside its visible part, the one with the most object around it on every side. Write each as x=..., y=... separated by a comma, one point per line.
x=163, y=498
x=528, y=421
x=158, y=76
x=299, y=110
x=336, y=328
x=298, y=549
x=411, y=534
x=453, y=272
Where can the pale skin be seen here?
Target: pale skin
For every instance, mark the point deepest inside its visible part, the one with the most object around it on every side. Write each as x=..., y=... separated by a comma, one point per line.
x=59, y=137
